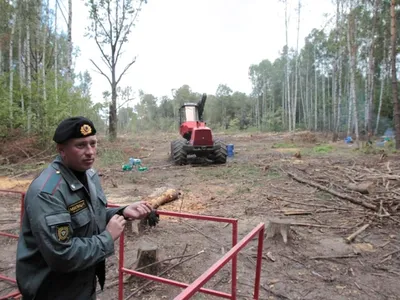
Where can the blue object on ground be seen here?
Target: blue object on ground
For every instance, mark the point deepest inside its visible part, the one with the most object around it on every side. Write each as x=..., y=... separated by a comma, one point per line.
x=348, y=140
x=380, y=144
x=230, y=148
x=389, y=132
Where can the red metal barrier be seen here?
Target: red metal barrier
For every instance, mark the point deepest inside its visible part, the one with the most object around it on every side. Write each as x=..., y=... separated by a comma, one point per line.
x=3, y=277
x=199, y=282
x=197, y=285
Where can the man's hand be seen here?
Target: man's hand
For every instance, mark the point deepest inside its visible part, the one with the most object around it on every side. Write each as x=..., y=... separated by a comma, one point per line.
x=137, y=210
x=115, y=226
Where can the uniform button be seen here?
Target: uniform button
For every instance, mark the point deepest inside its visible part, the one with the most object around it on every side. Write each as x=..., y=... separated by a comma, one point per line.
x=72, y=186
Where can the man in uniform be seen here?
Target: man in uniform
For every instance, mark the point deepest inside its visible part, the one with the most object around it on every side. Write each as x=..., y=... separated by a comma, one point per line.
x=67, y=230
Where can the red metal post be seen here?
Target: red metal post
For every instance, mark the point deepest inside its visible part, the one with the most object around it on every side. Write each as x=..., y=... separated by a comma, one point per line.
x=199, y=282
x=234, y=260
x=2, y=277
x=259, y=263
x=176, y=283
x=121, y=266
x=22, y=209
x=10, y=296
x=197, y=217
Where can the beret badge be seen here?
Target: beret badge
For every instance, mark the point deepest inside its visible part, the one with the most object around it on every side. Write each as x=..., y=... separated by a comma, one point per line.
x=86, y=129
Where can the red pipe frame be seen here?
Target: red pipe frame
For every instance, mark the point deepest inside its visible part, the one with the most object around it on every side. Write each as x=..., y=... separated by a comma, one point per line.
x=196, y=286
x=2, y=277
x=199, y=282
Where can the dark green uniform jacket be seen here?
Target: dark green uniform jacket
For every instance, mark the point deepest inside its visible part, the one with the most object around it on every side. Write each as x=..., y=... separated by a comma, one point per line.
x=63, y=236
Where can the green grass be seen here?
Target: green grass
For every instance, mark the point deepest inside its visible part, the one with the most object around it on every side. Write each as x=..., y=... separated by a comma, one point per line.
x=321, y=149
x=272, y=173
x=110, y=157
x=284, y=145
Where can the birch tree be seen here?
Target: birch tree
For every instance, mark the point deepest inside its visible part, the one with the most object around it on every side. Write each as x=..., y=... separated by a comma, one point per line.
x=111, y=23
x=352, y=48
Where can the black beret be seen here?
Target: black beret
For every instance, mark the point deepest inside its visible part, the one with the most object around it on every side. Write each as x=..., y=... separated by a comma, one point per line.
x=72, y=128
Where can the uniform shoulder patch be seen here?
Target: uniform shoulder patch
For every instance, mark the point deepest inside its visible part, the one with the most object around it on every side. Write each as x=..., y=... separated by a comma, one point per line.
x=77, y=206
x=62, y=232
x=52, y=182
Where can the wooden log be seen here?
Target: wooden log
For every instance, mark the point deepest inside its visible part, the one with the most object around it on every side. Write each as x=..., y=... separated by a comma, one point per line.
x=363, y=187
x=168, y=196
x=278, y=226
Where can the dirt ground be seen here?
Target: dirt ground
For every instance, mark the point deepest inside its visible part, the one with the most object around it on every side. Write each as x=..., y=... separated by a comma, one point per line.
x=262, y=182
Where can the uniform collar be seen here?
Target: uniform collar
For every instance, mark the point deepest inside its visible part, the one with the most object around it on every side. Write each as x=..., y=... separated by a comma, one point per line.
x=73, y=182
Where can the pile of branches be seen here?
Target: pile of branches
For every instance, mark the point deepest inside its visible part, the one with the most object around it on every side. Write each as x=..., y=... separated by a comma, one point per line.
x=375, y=188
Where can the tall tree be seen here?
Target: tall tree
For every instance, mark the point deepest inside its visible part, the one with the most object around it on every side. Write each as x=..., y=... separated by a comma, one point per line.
x=112, y=22
x=11, y=67
x=352, y=48
x=69, y=62
x=396, y=109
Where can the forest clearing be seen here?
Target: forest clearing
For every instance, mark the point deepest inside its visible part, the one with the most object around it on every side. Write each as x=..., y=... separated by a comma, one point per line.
x=303, y=89
x=255, y=185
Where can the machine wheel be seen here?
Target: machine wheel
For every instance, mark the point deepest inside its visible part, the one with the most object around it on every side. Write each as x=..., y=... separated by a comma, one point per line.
x=178, y=155
x=220, y=154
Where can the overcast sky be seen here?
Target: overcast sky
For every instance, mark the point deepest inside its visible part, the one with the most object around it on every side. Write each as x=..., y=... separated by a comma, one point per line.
x=201, y=43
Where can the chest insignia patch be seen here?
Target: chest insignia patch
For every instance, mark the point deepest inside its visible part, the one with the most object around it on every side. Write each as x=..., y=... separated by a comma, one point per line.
x=77, y=206
x=62, y=233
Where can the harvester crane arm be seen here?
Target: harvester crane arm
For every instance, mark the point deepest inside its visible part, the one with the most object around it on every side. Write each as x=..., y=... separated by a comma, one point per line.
x=201, y=105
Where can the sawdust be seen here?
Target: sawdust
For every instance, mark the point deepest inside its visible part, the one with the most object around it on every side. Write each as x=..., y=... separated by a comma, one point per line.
x=14, y=184
x=285, y=150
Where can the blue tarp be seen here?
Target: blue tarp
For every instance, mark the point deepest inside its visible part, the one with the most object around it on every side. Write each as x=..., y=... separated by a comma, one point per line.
x=389, y=133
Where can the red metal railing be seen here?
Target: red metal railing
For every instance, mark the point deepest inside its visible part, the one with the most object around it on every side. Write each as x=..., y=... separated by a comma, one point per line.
x=6, y=234
x=199, y=282
x=196, y=286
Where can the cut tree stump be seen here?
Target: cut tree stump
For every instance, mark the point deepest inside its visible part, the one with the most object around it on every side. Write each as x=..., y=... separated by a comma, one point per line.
x=147, y=257
x=278, y=226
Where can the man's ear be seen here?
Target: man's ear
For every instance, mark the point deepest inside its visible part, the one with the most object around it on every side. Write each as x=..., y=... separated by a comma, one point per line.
x=60, y=148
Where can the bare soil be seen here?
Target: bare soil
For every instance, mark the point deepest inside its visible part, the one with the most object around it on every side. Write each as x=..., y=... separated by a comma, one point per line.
x=252, y=187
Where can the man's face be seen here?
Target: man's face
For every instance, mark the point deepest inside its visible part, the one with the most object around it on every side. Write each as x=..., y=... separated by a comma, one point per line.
x=79, y=154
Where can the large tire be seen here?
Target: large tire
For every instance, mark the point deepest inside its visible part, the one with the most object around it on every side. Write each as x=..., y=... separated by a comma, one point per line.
x=220, y=154
x=178, y=154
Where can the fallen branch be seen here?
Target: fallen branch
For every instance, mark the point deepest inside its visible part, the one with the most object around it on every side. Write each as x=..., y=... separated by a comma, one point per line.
x=388, y=255
x=352, y=236
x=314, y=205
x=335, y=193
x=334, y=256
x=317, y=225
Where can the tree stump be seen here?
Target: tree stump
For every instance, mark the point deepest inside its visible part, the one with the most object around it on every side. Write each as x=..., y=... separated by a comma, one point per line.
x=278, y=226
x=147, y=256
